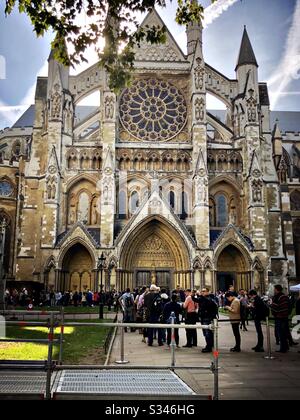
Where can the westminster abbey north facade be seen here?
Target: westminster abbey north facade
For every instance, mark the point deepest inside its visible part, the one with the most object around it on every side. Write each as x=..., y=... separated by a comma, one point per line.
x=169, y=191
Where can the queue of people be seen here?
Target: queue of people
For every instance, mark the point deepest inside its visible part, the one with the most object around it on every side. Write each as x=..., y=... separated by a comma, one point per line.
x=154, y=305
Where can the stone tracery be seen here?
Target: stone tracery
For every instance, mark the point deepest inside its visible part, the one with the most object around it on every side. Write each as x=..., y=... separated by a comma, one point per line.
x=153, y=110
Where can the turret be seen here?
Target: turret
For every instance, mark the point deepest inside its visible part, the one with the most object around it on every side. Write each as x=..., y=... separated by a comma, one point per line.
x=247, y=67
x=194, y=35
x=57, y=72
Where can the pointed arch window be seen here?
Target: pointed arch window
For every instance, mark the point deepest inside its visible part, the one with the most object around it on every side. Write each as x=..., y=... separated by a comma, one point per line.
x=122, y=205
x=134, y=202
x=222, y=210
x=172, y=199
x=83, y=208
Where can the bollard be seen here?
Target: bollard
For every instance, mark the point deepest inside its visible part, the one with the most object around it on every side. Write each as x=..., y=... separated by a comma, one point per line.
x=216, y=360
x=269, y=356
x=61, y=337
x=122, y=361
x=173, y=343
x=50, y=354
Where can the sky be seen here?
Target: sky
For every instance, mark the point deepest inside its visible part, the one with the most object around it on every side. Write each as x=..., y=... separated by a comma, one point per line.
x=273, y=27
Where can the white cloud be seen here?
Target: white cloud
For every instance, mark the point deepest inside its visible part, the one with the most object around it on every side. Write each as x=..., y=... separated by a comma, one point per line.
x=12, y=113
x=288, y=69
x=215, y=10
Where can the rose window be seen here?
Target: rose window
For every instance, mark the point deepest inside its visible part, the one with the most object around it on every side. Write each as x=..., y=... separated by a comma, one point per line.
x=153, y=110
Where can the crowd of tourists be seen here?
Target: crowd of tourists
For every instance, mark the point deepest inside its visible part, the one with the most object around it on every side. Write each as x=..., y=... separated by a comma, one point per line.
x=154, y=305
x=25, y=298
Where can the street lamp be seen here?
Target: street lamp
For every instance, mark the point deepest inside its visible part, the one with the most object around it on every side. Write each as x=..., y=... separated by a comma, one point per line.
x=2, y=276
x=100, y=267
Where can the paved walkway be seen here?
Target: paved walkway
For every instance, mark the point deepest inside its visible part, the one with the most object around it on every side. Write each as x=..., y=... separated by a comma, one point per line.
x=246, y=375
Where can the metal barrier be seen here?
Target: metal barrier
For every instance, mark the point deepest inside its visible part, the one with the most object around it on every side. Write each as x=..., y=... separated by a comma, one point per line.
x=50, y=324
x=51, y=366
x=214, y=367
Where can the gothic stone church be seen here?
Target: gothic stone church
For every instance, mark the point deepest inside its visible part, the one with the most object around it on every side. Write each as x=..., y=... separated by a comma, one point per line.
x=169, y=191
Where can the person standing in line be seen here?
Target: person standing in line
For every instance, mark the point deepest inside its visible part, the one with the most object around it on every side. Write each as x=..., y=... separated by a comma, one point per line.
x=170, y=307
x=260, y=311
x=191, y=308
x=153, y=303
x=234, y=315
x=127, y=304
x=208, y=311
x=243, y=298
x=280, y=311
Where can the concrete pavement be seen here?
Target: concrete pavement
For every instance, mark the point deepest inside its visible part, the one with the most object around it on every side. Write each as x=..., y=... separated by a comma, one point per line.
x=246, y=375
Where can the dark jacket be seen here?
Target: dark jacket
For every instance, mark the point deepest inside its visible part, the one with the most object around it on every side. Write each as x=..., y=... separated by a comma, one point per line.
x=154, y=305
x=208, y=309
x=172, y=307
x=280, y=306
x=258, y=310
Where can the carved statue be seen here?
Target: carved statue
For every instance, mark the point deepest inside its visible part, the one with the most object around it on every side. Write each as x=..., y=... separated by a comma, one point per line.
x=257, y=190
x=56, y=103
x=199, y=109
x=153, y=277
x=201, y=187
x=109, y=106
x=199, y=75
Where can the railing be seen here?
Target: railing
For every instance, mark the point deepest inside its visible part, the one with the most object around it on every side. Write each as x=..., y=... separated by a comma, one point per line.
x=50, y=366
x=51, y=324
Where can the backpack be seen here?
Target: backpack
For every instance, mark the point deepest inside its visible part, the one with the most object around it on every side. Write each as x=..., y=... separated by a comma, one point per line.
x=214, y=308
x=156, y=306
x=128, y=302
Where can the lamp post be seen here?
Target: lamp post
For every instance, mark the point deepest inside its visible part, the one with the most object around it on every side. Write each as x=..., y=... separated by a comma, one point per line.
x=2, y=276
x=100, y=267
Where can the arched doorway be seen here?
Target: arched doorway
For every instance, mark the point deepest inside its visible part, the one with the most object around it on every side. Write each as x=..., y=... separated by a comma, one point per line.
x=154, y=253
x=233, y=269
x=77, y=270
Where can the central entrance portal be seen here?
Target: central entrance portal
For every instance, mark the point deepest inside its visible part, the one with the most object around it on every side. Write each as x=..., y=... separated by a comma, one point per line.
x=154, y=253
x=161, y=278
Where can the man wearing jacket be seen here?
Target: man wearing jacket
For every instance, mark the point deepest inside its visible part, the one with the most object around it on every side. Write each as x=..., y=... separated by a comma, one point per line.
x=235, y=317
x=280, y=310
x=259, y=313
x=208, y=311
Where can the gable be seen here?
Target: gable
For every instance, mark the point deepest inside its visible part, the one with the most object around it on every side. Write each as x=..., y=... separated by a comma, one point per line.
x=167, y=52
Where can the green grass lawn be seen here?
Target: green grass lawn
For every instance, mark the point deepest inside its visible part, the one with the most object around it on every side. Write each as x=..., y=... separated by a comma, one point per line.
x=67, y=309
x=81, y=344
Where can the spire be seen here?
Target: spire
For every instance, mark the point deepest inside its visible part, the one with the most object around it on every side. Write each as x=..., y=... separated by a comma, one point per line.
x=246, y=54
x=194, y=35
x=276, y=132
x=277, y=140
x=58, y=43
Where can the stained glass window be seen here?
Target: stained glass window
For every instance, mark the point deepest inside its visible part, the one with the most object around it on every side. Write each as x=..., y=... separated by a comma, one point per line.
x=153, y=110
x=6, y=189
x=222, y=211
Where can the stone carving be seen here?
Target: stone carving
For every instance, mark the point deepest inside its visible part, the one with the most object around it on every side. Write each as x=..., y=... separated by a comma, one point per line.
x=252, y=107
x=51, y=188
x=153, y=244
x=199, y=75
x=56, y=103
x=109, y=107
x=257, y=190
x=68, y=117
x=153, y=110
x=107, y=190
x=201, y=190
x=199, y=109
x=164, y=52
